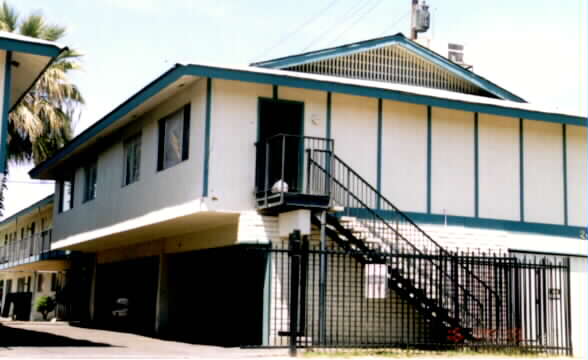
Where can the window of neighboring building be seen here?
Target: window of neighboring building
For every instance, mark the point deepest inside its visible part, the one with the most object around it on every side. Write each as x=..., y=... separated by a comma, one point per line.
x=28, y=284
x=66, y=194
x=53, y=281
x=132, y=164
x=174, y=131
x=90, y=174
x=40, y=282
x=20, y=284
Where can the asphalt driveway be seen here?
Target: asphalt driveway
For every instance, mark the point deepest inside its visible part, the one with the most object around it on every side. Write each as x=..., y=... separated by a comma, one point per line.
x=24, y=340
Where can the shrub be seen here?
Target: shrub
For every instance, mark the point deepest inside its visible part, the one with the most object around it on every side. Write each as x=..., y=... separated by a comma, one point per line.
x=44, y=305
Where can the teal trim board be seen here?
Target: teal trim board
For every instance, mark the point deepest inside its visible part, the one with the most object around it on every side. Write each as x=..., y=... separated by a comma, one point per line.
x=289, y=80
x=5, y=112
x=429, y=155
x=328, y=120
x=476, y=167
x=29, y=47
x=565, y=172
x=471, y=222
x=398, y=39
x=206, y=168
x=379, y=153
x=521, y=171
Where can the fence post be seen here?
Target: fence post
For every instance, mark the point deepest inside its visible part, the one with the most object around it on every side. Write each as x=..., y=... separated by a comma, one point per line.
x=295, y=254
x=323, y=281
x=455, y=276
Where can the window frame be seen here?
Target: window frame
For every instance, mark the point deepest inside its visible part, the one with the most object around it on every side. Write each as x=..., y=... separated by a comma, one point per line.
x=62, y=183
x=90, y=180
x=185, y=111
x=136, y=142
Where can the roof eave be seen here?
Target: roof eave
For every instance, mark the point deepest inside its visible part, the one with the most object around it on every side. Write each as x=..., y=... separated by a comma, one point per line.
x=289, y=79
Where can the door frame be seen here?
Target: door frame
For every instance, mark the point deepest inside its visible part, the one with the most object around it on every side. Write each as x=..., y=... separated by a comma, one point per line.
x=261, y=99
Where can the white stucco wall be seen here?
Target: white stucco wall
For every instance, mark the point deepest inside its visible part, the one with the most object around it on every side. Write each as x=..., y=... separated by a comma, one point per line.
x=452, y=143
x=155, y=190
x=354, y=129
x=543, y=167
x=577, y=159
x=498, y=157
x=404, y=155
x=315, y=108
x=232, y=142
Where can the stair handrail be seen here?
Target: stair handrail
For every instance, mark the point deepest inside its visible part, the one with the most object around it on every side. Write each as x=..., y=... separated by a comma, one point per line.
x=442, y=251
x=383, y=198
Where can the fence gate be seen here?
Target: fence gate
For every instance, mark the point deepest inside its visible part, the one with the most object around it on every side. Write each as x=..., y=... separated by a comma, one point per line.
x=542, y=295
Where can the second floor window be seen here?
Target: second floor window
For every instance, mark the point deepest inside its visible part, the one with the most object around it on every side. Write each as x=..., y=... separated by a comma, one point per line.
x=174, y=133
x=66, y=194
x=90, y=175
x=132, y=165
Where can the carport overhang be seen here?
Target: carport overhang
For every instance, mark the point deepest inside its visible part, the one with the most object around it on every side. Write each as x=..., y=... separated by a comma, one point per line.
x=42, y=265
x=141, y=230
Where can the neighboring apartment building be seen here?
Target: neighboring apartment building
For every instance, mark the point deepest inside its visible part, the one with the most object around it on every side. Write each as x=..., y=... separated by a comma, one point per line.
x=168, y=189
x=28, y=267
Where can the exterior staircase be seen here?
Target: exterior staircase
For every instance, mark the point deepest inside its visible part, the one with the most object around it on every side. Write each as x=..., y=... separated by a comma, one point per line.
x=447, y=293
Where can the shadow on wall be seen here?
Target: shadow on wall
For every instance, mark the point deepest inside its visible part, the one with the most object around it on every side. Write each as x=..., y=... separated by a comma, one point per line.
x=15, y=337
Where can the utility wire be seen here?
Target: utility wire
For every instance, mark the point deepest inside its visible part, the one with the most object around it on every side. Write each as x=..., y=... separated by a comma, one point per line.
x=374, y=6
x=348, y=15
x=396, y=22
x=286, y=37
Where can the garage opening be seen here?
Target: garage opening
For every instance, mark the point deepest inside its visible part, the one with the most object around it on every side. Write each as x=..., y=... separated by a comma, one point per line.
x=216, y=296
x=126, y=294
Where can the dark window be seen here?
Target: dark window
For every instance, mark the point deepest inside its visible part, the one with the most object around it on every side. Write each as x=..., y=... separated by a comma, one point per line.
x=132, y=165
x=174, y=134
x=40, y=282
x=53, y=281
x=20, y=285
x=66, y=194
x=28, y=284
x=90, y=175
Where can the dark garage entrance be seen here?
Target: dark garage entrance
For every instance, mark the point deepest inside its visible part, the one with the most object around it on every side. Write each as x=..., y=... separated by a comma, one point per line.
x=216, y=296
x=133, y=280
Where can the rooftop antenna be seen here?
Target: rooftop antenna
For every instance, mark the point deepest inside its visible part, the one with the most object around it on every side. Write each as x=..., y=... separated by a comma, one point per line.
x=420, y=19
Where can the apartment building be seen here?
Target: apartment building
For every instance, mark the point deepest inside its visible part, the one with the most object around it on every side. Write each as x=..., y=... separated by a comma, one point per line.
x=171, y=188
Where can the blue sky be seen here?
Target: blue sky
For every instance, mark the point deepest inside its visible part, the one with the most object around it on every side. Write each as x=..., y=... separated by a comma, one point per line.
x=535, y=48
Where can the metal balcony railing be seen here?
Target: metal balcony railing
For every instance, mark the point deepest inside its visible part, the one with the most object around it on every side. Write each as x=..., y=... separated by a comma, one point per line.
x=20, y=250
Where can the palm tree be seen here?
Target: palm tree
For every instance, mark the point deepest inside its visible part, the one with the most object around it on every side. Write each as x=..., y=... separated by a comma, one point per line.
x=42, y=122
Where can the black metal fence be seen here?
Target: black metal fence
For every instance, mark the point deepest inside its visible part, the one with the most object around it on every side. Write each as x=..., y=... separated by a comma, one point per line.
x=367, y=304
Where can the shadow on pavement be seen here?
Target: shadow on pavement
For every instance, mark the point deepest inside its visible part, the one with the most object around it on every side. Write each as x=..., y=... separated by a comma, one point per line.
x=14, y=337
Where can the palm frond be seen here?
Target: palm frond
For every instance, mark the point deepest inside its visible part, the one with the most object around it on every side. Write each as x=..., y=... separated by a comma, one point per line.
x=8, y=18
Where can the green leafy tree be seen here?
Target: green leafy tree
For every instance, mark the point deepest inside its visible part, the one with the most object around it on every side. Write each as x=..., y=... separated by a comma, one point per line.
x=45, y=305
x=42, y=122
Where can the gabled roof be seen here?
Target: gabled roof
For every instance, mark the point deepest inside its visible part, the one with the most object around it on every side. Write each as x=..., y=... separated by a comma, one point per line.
x=149, y=97
x=398, y=40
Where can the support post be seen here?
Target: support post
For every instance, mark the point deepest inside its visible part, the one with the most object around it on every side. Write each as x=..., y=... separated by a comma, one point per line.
x=161, y=307
x=92, y=304
x=295, y=254
x=33, y=294
x=323, y=281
